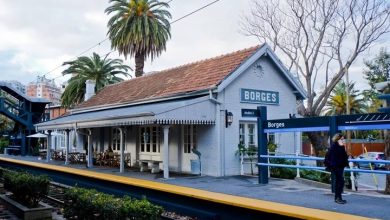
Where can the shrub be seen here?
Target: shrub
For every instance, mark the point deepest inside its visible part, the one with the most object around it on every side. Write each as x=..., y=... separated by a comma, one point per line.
x=280, y=172
x=143, y=209
x=316, y=176
x=90, y=204
x=26, y=188
x=3, y=144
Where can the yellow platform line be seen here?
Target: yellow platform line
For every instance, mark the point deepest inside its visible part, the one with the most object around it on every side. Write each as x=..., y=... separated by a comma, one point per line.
x=248, y=203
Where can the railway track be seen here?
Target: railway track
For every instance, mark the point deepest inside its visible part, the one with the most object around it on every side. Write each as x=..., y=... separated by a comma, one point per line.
x=55, y=197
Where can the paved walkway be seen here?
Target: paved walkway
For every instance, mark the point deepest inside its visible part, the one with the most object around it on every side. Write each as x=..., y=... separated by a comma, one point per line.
x=365, y=202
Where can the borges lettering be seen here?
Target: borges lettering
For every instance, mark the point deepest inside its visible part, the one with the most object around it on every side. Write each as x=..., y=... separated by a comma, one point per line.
x=276, y=125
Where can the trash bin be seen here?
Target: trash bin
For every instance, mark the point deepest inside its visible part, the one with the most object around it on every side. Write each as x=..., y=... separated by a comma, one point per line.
x=195, y=167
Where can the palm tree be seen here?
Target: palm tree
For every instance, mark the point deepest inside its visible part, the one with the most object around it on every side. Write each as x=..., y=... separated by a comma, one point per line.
x=102, y=71
x=139, y=28
x=337, y=103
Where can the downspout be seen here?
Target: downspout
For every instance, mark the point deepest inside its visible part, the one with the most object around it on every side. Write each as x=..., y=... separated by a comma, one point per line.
x=218, y=127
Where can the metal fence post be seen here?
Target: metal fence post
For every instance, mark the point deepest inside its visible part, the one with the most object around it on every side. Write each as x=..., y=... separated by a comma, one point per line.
x=297, y=163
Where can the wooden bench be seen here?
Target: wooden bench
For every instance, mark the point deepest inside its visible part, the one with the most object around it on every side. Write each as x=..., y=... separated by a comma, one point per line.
x=152, y=165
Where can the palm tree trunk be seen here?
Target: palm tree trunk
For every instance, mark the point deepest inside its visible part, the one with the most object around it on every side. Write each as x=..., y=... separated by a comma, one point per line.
x=139, y=64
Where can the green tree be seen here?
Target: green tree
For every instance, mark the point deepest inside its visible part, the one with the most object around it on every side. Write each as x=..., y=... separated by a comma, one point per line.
x=377, y=70
x=103, y=71
x=139, y=28
x=318, y=38
x=6, y=124
x=337, y=102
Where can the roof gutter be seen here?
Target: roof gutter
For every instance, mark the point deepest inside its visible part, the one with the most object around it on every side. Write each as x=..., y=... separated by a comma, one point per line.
x=211, y=97
x=145, y=101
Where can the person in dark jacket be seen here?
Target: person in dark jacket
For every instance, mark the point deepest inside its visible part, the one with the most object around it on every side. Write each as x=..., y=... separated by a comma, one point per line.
x=338, y=160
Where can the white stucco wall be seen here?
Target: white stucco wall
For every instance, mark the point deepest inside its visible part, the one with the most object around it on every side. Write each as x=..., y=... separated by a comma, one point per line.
x=271, y=80
x=217, y=143
x=207, y=146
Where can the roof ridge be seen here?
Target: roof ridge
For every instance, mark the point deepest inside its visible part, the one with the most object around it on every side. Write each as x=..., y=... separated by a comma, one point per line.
x=183, y=78
x=152, y=73
x=207, y=59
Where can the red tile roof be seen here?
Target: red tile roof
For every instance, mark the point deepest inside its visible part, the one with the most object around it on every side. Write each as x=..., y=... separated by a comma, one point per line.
x=191, y=77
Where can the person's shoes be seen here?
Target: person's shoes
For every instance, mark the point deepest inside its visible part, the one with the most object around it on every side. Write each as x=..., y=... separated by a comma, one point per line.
x=340, y=201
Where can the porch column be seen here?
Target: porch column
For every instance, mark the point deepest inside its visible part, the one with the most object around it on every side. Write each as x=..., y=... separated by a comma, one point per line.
x=122, y=149
x=166, y=152
x=90, y=153
x=67, y=146
x=48, y=151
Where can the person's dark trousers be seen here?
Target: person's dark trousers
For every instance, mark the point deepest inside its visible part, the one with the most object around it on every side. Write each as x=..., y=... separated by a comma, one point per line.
x=333, y=182
x=339, y=182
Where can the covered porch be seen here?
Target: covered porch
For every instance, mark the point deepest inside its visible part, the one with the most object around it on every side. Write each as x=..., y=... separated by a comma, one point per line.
x=156, y=136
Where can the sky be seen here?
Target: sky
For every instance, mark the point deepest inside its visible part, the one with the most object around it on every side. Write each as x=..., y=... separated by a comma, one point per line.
x=36, y=37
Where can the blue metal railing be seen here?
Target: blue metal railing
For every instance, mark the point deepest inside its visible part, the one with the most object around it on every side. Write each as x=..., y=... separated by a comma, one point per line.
x=323, y=168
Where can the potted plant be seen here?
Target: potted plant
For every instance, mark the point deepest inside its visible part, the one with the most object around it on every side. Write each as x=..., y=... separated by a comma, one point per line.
x=27, y=192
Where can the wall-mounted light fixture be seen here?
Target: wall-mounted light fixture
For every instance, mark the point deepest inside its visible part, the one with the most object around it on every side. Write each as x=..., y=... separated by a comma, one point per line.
x=228, y=118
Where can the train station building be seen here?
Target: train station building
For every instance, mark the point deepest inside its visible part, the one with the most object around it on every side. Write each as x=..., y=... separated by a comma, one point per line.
x=166, y=119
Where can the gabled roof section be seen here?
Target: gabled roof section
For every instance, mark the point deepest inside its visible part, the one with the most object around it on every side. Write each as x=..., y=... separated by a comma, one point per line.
x=265, y=50
x=197, y=76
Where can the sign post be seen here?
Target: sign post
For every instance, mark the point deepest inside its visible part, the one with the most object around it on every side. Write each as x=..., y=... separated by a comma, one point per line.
x=262, y=140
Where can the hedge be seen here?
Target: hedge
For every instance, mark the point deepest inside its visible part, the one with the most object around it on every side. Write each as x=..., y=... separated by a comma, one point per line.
x=90, y=204
x=26, y=188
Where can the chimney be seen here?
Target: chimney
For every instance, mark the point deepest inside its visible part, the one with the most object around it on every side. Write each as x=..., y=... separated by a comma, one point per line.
x=89, y=89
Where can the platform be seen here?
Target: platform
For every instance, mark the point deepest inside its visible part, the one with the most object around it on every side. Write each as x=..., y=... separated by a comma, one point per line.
x=286, y=196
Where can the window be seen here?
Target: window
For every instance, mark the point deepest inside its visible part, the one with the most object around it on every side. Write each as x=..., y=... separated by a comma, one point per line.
x=251, y=135
x=242, y=133
x=271, y=138
x=150, y=139
x=247, y=134
x=189, y=138
x=116, y=139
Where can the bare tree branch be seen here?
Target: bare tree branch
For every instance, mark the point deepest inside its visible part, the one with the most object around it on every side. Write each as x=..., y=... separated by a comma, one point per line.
x=310, y=33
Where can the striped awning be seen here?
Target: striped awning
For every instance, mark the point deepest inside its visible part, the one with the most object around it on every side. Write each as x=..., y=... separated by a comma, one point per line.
x=191, y=111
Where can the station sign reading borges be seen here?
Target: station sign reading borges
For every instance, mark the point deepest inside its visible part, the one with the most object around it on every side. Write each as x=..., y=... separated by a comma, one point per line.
x=259, y=96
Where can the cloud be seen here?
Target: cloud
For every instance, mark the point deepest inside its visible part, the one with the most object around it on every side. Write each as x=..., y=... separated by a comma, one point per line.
x=38, y=36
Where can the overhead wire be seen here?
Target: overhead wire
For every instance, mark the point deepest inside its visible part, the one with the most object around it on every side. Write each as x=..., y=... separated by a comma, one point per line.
x=97, y=44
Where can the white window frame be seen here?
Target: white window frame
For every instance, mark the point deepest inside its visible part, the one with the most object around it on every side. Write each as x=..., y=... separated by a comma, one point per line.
x=271, y=137
x=115, y=140
x=189, y=139
x=153, y=143
x=244, y=133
